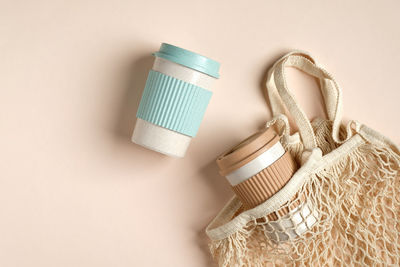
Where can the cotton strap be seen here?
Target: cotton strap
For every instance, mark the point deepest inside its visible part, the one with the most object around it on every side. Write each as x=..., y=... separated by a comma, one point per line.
x=280, y=96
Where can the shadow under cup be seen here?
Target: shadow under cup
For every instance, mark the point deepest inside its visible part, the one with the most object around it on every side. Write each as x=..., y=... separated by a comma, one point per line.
x=175, y=98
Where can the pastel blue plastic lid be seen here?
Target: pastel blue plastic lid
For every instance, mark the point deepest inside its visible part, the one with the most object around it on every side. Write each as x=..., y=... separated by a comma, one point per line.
x=189, y=59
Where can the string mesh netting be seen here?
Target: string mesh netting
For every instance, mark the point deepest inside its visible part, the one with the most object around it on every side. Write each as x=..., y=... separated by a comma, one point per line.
x=346, y=212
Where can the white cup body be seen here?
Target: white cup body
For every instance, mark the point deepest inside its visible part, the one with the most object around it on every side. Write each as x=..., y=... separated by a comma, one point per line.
x=161, y=139
x=294, y=224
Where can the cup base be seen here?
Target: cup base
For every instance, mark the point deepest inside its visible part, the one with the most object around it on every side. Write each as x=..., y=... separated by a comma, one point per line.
x=294, y=224
x=160, y=139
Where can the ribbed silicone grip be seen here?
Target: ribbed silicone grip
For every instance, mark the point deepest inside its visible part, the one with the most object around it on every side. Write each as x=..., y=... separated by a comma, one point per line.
x=173, y=104
x=267, y=182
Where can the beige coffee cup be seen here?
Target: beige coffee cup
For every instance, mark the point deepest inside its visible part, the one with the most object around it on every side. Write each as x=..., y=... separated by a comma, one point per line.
x=257, y=168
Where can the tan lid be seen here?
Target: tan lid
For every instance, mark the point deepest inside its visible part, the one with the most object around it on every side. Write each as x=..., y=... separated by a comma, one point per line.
x=246, y=151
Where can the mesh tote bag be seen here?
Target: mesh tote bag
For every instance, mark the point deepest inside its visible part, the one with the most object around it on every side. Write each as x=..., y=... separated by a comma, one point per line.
x=347, y=184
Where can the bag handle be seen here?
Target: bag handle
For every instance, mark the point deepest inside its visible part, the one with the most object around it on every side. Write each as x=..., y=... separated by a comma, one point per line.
x=280, y=96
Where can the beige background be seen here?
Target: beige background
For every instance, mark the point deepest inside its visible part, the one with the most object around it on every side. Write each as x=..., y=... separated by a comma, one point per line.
x=75, y=192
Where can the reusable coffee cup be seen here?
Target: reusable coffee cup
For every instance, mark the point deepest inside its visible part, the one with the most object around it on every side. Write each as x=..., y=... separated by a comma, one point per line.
x=175, y=98
x=259, y=167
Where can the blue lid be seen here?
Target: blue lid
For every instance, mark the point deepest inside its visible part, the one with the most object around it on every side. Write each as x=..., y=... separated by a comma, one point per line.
x=189, y=59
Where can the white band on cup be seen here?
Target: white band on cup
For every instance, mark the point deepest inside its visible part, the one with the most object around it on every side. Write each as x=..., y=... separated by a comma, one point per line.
x=256, y=165
x=183, y=73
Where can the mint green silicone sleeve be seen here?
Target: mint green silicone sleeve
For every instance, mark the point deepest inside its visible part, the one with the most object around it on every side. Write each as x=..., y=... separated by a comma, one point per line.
x=173, y=104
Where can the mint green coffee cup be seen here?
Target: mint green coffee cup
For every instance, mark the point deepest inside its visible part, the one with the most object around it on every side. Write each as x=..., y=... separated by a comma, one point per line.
x=175, y=98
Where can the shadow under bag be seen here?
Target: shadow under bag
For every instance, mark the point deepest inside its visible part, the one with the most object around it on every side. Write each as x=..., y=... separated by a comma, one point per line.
x=348, y=181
